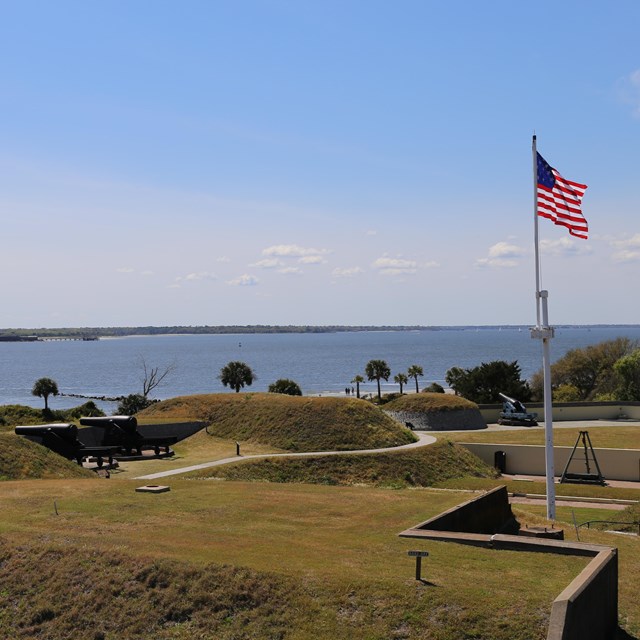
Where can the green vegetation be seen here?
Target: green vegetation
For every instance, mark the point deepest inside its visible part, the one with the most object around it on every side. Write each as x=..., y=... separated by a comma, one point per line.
x=43, y=388
x=236, y=375
x=426, y=402
x=604, y=437
x=415, y=371
x=484, y=383
x=357, y=380
x=20, y=458
x=288, y=422
x=401, y=379
x=133, y=403
x=422, y=467
x=12, y=415
x=592, y=373
x=296, y=562
x=286, y=386
x=377, y=370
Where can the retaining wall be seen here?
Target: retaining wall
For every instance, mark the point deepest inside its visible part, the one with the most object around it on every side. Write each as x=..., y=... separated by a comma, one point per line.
x=586, y=610
x=444, y=420
x=615, y=464
x=572, y=411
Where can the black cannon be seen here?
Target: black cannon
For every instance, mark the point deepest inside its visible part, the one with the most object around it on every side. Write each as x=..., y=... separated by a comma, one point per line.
x=515, y=413
x=123, y=432
x=63, y=440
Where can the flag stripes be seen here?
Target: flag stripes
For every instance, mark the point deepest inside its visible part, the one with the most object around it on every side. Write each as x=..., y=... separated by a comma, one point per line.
x=560, y=200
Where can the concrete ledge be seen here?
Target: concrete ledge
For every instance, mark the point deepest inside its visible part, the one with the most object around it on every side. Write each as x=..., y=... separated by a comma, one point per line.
x=586, y=610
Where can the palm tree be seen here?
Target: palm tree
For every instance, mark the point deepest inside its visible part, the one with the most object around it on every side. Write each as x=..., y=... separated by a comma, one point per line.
x=401, y=379
x=357, y=380
x=43, y=388
x=236, y=375
x=377, y=369
x=413, y=372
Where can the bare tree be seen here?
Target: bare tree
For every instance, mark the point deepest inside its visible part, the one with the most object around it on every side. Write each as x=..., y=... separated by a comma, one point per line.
x=153, y=376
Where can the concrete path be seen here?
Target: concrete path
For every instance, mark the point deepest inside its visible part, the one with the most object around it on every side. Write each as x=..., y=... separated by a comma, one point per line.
x=423, y=440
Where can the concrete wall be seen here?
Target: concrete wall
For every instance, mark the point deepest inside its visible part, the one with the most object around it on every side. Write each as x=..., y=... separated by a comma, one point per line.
x=489, y=513
x=588, y=608
x=450, y=420
x=615, y=464
x=572, y=411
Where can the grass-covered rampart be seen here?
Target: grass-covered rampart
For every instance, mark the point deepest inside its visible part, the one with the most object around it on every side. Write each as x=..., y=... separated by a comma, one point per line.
x=427, y=402
x=288, y=422
x=20, y=459
x=422, y=467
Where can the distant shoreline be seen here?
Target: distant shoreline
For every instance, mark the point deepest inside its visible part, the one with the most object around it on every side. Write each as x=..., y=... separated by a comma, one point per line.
x=92, y=333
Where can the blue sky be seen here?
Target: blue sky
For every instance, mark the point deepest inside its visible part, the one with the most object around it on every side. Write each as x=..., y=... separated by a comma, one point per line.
x=280, y=162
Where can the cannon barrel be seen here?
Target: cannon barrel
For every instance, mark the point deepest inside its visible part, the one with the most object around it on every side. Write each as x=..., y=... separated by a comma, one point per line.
x=39, y=430
x=126, y=423
x=507, y=398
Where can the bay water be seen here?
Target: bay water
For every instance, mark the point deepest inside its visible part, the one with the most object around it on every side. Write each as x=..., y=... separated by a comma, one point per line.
x=321, y=363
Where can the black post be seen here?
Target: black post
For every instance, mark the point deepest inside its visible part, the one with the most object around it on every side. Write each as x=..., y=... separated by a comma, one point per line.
x=418, y=567
x=237, y=448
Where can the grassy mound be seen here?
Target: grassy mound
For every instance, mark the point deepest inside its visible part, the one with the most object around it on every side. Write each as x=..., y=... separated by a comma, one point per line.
x=18, y=414
x=288, y=422
x=426, y=402
x=131, y=598
x=21, y=459
x=422, y=467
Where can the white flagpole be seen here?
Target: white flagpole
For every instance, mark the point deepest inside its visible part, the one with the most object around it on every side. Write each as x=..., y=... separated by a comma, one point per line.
x=544, y=332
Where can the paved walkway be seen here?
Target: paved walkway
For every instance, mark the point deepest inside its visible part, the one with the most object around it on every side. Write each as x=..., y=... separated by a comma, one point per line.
x=423, y=440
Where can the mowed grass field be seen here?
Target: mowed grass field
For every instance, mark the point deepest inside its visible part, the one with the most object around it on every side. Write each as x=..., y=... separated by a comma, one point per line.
x=607, y=436
x=294, y=559
x=333, y=553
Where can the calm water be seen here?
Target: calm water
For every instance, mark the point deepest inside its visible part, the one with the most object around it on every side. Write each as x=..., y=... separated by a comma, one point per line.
x=320, y=363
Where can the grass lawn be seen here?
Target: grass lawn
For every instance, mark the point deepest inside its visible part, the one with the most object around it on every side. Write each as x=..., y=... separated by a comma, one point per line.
x=336, y=548
x=607, y=436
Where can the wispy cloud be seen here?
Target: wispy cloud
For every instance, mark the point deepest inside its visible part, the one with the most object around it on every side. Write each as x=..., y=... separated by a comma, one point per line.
x=347, y=272
x=501, y=255
x=395, y=266
x=194, y=277
x=312, y=260
x=268, y=263
x=627, y=250
x=293, y=251
x=245, y=280
x=564, y=247
x=290, y=270
x=223, y=259
x=125, y=270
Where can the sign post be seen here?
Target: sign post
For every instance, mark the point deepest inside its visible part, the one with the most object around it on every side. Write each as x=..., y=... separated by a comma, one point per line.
x=418, y=555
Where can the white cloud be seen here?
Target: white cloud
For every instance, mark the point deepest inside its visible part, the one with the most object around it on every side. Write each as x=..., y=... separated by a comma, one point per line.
x=200, y=275
x=348, y=272
x=432, y=264
x=290, y=270
x=312, y=260
x=371, y=232
x=564, y=247
x=268, y=263
x=501, y=255
x=395, y=266
x=148, y=273
x=245, y=280
x=627, y=250
x=125, y=270
x=223, y=259
x=293, y=251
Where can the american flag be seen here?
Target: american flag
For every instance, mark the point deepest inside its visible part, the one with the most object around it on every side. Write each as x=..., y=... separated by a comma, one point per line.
x=559, y=199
